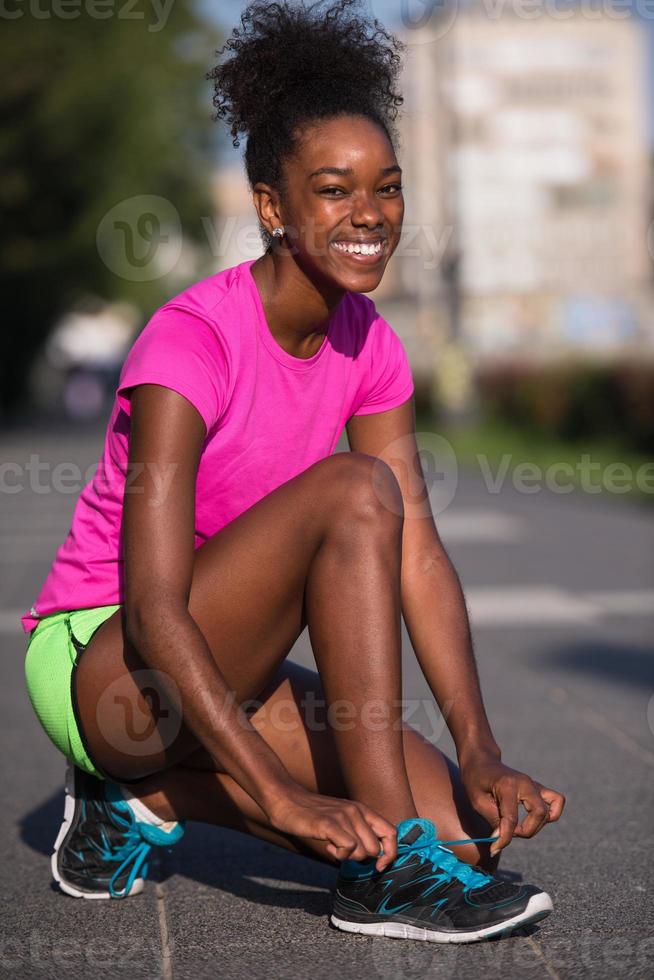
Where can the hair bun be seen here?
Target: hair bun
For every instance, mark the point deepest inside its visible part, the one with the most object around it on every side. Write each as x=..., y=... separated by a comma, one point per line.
x=288, y=59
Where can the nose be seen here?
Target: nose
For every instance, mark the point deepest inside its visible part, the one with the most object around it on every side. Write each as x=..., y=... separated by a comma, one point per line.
x=367, y=211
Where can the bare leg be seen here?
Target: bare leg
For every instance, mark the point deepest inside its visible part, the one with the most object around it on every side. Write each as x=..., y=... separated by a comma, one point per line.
x=366, y=558
x=293, y=721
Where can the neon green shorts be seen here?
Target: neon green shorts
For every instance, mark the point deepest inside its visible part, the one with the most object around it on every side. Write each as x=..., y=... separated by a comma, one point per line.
x=53, y=652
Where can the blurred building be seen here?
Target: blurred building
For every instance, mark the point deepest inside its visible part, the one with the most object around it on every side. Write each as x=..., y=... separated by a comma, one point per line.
x=526, y=161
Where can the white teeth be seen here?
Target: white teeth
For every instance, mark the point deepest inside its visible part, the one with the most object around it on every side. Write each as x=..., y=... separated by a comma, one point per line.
x=362, y=249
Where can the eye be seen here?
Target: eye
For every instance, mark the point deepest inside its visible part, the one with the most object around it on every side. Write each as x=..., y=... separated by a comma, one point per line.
x=335, y=191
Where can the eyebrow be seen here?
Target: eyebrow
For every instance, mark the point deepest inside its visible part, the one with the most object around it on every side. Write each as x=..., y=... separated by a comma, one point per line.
x=346, y=171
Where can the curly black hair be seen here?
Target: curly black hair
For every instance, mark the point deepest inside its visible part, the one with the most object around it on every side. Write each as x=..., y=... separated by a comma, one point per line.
x=292, y=64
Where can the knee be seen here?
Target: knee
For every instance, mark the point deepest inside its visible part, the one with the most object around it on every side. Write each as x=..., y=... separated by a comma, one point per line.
x=365, y=488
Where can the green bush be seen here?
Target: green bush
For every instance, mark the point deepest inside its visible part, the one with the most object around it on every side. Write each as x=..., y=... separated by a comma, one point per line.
x=573, y=401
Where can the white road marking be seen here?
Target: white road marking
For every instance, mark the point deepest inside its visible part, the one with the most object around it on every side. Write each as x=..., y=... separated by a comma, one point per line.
x=281, y=885
x=549, y=967
x=548, y=605
x=480, y=525
x=537, y=604
x=164, y=931
x=637, y=601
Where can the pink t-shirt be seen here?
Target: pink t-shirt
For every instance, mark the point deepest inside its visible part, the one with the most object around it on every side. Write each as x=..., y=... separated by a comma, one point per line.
x=268, y=416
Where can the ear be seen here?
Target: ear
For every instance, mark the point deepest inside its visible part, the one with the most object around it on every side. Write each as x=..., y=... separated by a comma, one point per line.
x=266, y=201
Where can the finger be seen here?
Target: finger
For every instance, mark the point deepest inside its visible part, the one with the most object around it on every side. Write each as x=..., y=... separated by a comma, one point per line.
x=386, y=834
x=366, y=844
x=354, y=814
x=351, y=821
x=343, y=842
x=487, y=807
x=537, y=813
x=506, y=796
x=555, y=802
x=367, y=836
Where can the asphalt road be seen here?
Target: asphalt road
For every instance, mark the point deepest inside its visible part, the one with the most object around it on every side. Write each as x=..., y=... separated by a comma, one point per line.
x=560, y=589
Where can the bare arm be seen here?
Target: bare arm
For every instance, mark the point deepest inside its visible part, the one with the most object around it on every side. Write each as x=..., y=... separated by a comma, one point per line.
x=159, y=548
x=167, y=434
x=433, y=605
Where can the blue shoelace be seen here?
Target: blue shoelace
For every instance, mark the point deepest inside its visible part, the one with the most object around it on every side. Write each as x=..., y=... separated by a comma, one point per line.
x=140, y=838
x=135, y=850
x=446, y=861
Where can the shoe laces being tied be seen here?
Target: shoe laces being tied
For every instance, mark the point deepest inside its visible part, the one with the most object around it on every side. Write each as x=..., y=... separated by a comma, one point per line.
x=134, y=849
x=446, y=862
x=138, y=842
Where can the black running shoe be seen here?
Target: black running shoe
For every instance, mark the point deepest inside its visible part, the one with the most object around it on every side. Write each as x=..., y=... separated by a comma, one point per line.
x=427, y=893
x=101, y=850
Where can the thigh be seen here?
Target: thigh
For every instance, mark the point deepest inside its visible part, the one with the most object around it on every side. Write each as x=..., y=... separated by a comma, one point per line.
x=247, y=597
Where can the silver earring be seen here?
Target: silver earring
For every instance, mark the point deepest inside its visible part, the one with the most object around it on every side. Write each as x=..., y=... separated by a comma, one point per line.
x=278, y=232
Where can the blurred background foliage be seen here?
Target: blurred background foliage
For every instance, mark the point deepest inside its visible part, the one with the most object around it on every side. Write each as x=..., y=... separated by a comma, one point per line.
x=573, y=401
x=93, y=111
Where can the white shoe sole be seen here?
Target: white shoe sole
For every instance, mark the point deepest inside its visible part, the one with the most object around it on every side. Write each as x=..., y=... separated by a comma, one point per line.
x=537, y=908
x=69, y=812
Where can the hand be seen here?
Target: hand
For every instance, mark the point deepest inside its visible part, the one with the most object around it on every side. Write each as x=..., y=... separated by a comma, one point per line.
x=496, y=791
x=353, y=830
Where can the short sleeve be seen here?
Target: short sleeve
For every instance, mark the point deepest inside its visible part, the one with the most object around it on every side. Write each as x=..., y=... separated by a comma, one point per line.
x=179, y=350
x=389, y=382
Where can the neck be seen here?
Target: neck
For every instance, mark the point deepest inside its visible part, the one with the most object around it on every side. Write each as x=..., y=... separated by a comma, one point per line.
x=298, y=309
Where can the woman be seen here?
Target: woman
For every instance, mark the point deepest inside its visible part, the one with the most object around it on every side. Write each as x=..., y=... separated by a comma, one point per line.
x=220, y=523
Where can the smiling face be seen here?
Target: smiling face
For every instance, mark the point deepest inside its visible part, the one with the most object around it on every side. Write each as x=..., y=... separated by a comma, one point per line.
x=343, y=207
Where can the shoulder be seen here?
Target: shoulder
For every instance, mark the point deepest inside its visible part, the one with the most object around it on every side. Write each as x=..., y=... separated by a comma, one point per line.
x=197, y=317
x=205, y=297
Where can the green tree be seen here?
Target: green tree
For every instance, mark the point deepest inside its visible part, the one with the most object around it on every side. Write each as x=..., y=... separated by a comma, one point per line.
x=95, y=111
